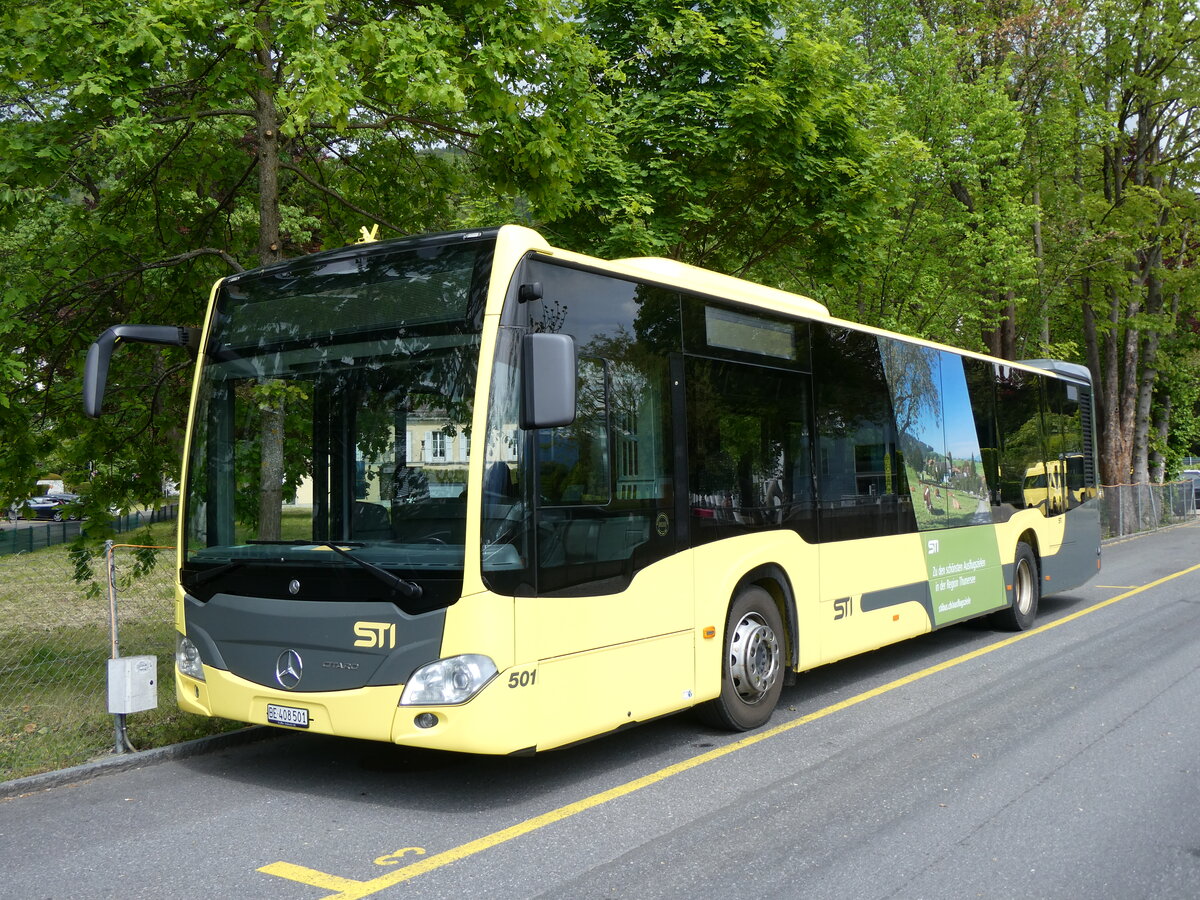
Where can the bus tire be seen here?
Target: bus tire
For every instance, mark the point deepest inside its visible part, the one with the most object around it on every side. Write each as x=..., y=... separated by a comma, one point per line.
x=752, y=665
x=1026, y=590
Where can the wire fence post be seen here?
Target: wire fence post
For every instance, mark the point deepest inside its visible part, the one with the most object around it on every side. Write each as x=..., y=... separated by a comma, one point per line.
x=120, y=732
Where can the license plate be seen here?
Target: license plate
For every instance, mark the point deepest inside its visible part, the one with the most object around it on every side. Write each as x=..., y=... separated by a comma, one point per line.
x=291, y=716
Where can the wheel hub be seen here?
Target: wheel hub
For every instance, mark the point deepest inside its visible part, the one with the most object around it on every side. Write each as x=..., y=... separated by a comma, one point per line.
x=754, y=657
x=1023, y=587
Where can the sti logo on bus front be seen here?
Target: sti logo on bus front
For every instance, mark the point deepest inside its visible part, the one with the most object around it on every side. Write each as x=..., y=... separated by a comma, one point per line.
x=375, y=634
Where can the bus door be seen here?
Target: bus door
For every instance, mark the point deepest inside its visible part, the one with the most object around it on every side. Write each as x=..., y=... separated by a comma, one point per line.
x=610, y=620
x=750, y=489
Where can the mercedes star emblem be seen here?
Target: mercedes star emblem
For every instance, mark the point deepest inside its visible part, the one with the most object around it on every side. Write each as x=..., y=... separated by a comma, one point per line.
x=288, y=669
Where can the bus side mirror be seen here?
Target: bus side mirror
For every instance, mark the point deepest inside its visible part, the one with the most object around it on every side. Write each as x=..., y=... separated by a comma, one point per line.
x=548, y=374
x=95, y=372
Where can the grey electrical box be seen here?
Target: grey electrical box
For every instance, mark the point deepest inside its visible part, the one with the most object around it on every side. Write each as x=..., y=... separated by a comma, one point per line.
x=132, y=684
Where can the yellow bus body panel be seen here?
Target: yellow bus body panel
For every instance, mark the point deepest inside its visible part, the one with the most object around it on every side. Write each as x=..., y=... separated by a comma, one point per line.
x=364, y=712
x=605, y=661
x=850, y=569
x=496, y=721
x=597, y=691
x=721, y=565
x=481, y=623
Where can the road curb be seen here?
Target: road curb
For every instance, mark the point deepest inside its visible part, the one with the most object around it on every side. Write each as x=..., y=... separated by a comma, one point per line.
x=125, y=761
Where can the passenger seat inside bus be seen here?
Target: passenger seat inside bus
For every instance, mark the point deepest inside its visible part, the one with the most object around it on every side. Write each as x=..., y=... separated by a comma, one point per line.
x=370, y=522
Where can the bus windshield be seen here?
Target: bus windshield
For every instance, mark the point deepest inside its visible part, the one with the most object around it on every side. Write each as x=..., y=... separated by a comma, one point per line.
x=332, y=424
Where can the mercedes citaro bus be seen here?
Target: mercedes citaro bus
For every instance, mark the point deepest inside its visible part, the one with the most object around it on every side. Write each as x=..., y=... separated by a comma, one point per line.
x=468, y=491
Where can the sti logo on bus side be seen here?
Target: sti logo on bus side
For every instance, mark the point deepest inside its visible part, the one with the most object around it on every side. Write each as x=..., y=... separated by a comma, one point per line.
x=375, y=634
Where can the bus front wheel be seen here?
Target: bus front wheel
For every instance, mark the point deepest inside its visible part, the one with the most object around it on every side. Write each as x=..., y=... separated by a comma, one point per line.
x=1026, y=590
x=752, y=666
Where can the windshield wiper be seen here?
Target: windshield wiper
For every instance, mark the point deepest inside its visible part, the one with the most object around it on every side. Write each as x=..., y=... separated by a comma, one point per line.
x=409, y=589
x=199, y=578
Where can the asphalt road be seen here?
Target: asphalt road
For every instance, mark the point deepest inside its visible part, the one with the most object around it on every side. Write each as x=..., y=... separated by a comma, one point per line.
x=1064, y=763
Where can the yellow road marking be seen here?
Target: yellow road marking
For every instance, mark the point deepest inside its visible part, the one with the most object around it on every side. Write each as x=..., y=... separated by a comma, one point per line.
x=310, y=876
x=391, y=859
x=352, y=890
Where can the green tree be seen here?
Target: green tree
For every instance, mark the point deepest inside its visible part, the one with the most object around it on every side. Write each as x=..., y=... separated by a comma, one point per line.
x=1054, y=215
x=740, y=139
x=147, y=149
x=1141, y=176
x=952, y=259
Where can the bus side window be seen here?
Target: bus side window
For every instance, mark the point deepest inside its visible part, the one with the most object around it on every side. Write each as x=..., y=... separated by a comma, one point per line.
x=1023, y=477
x=1064, y=437
x=574, y=460
x=749, y=449
x=981, y=386
x=604, y=483
x=860, y=471
x=938, y=435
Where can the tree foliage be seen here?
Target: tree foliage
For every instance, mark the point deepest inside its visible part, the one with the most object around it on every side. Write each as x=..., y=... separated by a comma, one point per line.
x=1019, y=176
x=740, y=137
x=147, y=149
x=1055, y=212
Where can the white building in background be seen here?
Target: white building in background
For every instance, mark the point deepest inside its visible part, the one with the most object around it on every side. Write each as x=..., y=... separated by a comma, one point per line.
x=435, y=454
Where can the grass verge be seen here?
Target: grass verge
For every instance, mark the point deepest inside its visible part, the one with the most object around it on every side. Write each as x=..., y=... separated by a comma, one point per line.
x=55, y=641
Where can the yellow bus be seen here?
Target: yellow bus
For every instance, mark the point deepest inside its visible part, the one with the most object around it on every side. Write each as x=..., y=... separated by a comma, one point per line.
x=468, y=491
x=1044, y=486
x=1057, y=483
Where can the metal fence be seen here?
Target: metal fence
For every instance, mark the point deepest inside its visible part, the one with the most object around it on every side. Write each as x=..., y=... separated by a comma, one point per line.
x=26, y=537
x=22, y=537
x=57, y=633
x=1131, y=508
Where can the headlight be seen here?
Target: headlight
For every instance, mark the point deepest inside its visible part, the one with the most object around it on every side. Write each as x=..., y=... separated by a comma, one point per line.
x=448, y=681
x=187, y=657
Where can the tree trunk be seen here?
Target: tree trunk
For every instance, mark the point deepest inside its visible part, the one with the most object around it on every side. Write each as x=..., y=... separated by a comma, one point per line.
x=1039, y=256
x=267, y=138
x=270, y=488
x=1149, y=372
x=1141, y=423
x=1092, y=348
x=1162, y=429
x=1130, y=366
x=270, y=474
x=1002, y=340
x=1117, y=409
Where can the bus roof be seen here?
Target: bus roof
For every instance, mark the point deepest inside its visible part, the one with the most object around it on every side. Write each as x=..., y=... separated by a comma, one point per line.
x=705, y=281
x=1067, y=369
x=514, y=241
x=673, y=273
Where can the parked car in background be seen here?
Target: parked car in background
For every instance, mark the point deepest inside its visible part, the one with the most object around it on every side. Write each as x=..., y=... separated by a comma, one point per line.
x=1193, y=475
x=55, y=508
x=64, y=496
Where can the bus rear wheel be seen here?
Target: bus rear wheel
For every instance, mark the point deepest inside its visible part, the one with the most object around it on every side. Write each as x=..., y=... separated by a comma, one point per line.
x=752, y=667
x=1026, y=591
